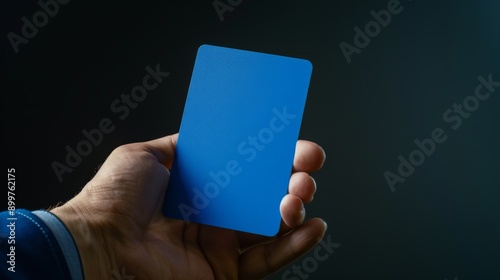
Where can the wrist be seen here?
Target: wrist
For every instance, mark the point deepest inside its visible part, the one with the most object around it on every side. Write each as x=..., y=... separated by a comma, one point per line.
x=90, y=241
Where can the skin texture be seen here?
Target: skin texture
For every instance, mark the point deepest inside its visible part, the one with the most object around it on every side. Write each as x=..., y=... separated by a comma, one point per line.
x=118, y=225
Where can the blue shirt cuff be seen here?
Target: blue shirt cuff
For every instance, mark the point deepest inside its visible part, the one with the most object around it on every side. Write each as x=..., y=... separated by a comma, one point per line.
x=65, y=241
x=37, y=245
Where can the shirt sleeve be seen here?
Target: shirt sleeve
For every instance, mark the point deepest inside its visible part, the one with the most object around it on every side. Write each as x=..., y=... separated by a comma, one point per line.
x=37, y=245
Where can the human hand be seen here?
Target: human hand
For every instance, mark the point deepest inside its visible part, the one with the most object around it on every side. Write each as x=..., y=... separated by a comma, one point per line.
x=117, y=222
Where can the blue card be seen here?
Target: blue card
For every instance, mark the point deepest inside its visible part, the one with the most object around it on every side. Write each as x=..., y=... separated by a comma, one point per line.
x=237, y=139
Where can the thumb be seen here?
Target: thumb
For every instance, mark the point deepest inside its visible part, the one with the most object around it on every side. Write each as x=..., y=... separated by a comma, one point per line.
x=163, y=149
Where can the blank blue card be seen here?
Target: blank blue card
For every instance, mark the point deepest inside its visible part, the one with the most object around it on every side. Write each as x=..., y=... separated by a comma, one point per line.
x=237, y=139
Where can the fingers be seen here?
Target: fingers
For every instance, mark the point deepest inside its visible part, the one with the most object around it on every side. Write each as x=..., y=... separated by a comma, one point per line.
x=309, y=156
x=163, y=149
x=260, y=261
x=303, y=186
x=292, y=210
x=301, y=190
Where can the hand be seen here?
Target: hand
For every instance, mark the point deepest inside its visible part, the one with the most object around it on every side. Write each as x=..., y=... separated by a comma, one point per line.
x=117, y=222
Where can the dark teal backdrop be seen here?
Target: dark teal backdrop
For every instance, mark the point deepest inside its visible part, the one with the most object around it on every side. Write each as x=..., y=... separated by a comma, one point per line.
x=442, y=222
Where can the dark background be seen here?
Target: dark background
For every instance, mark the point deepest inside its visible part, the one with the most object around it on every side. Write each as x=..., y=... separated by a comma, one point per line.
x=443, y=222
